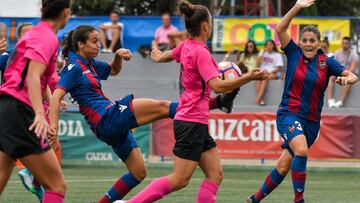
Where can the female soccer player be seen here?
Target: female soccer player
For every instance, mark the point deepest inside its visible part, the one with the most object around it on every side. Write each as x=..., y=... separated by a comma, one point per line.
x=110, y=121
x=194, y=146
x=298, y=116
x=22, y=133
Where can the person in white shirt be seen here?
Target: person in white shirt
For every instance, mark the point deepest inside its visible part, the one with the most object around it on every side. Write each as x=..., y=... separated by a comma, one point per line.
x=271, y=60
x=349, y=59
x=111, y=33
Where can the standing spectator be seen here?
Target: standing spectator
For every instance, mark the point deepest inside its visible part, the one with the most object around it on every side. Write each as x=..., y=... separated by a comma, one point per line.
x=111, y=33
x=271, y=60
x=161, y=40
x=349, y=59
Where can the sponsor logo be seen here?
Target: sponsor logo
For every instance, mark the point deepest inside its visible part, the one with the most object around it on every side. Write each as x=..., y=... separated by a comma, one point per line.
x=98, y=156
x=122, y=107
x=299, y=190
x=70, y=66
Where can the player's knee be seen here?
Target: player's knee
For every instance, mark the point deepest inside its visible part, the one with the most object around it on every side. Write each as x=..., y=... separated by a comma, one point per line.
x=59, y=186
x=282, y=168
x=140, y=174
x=217, y=176
x=301, y=151
x=181, y=183
x=163, y=106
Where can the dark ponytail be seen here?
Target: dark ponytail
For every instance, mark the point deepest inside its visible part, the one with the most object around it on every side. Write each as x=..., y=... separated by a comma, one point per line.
x=193, y=15
x=50, y=9
x=70, y=43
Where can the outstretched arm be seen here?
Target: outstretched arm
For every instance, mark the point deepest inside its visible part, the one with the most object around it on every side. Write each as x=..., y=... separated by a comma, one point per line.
x=159, y=56
x=346, y=78
x=282, y=27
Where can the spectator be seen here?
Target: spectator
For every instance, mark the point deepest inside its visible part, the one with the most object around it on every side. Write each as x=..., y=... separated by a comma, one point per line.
x=111, y=33
x=162, y=40
x=324, y=45
x=271, y=60
x=349, y=59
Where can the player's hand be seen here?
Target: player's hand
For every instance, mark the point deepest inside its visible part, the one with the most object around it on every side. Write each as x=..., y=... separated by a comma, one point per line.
x=3, y=45
x=52, y=136
x=124, y=54
x=63, y=105
x=305, y=3
x=259, y=74
x=40, y=126
x=156, y=55
x=342, y=80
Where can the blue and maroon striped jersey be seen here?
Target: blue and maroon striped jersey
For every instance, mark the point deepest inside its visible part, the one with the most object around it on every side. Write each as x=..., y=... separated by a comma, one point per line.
x=306, y=82
x=81, y=78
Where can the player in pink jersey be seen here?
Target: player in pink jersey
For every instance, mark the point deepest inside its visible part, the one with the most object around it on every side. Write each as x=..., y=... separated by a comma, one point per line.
x=199, y=75
x=22, y=134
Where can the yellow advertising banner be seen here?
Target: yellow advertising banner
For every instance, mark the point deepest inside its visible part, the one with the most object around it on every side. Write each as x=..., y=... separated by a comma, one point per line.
x=233, y=33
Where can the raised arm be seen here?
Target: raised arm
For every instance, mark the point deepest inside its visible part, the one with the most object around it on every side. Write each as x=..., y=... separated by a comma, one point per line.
x=282, y=27
x=116, y=65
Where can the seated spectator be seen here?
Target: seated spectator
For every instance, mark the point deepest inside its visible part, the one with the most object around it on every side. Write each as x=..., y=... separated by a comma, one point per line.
x=111, y=33
x=271, y=60
x=324, y=45
x=349, y=59
x=161, y=40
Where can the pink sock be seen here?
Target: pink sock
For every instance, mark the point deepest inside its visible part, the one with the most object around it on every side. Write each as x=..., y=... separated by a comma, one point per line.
x=207, y=192
x=155, y=191
x=53, y=197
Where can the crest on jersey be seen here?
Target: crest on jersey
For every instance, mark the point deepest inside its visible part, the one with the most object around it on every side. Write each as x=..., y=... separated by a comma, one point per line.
x=322, y=61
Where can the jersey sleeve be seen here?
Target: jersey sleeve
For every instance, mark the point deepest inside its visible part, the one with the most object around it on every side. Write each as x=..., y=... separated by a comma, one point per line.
x=290, y=48
x=103, y=69
x=69, y=77
x=206, y=65
x=176, y=52
x=40, y=50
x=335, y=68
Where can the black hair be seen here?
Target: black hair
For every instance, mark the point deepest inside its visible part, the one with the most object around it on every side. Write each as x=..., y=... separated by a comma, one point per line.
x=80, y=34
x=313, y=29
x=273, y=42
x=346, y=38
x=247, y=54
x=21, y=26
x=50, y=9
x=193, y=15
x=116, y=12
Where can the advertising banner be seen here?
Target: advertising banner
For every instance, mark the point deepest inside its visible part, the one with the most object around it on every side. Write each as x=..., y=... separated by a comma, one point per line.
x=79, y=143
x=255, y=135
x=233, y=33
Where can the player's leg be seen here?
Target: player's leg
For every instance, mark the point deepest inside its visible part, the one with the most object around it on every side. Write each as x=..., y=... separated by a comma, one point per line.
x=129, y=152
x=150, y=110
x=211, y=166
x=274, y=178
x=47, y=171
x=158, y=188
x=6, y=166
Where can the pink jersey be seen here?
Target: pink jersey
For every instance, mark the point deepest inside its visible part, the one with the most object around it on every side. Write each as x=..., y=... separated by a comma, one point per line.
x=39, y=44
x=161, y=34
x=197, y=68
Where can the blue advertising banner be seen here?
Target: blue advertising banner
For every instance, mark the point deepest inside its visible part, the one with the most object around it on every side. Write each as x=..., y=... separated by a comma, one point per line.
x=137, y=30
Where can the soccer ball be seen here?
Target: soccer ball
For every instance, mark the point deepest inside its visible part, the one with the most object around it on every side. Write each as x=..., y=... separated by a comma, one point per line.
x=229, y=70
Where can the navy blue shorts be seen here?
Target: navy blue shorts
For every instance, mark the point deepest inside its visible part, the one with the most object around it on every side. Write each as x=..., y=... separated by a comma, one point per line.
x=290, y=125
x=114, y=127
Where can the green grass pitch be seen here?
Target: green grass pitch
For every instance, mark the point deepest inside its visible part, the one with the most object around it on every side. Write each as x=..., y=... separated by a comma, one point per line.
x=87, y=183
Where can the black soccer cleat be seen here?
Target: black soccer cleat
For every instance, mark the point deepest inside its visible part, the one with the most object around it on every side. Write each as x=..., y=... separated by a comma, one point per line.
x=225, y=101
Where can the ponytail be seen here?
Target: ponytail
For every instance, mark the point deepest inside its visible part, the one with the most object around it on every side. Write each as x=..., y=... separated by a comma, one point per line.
x=67, y=43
